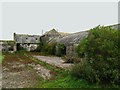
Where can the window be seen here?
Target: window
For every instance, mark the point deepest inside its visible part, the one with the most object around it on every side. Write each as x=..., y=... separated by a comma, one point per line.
x=36, y=38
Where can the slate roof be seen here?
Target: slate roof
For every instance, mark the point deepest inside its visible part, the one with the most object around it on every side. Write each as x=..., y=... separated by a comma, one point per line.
x=72, y=38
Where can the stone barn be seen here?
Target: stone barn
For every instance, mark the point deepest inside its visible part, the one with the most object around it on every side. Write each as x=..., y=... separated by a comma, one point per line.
x=71, y=41
x=26, y=42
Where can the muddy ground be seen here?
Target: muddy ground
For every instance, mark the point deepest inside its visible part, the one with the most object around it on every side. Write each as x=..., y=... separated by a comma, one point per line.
x=19, y=71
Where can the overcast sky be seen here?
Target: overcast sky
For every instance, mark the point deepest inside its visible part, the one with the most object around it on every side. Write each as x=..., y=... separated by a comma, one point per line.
x=32, y=17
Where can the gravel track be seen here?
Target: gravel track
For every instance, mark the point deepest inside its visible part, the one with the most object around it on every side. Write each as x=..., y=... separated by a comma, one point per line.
x=55, y=61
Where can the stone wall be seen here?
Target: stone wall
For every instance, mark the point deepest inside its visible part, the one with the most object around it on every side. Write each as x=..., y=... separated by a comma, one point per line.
x=6, y=46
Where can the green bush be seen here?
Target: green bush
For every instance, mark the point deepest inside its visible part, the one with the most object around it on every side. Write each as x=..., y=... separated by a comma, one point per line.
x=50, y=48
x=102, y=51
x=39, y=48
x=47, y=48
x=83, y=70
x=82, y=48
x=61, y=49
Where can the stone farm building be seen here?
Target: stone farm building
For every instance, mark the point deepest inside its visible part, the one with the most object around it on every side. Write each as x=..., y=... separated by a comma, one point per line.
x=30, y=42
x=27, y=42
x=20, y=42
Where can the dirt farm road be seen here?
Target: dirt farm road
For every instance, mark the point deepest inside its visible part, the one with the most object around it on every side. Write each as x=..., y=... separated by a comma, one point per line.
x=20, y=71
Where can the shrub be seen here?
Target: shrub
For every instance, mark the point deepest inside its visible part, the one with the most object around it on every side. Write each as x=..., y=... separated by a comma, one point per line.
x=50, y=48
x=46, y=48
x=82, y=48
x=39, y=48
x=61, y=50
x=72, y=59
x=83, y=70
x=102, y=51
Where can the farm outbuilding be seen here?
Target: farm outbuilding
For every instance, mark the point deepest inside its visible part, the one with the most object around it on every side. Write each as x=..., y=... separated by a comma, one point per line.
x=71, y=41
x=27, y=42
x=31, y=42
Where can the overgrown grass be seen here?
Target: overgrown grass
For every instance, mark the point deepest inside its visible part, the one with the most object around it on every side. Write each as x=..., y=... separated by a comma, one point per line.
x=62, y=79
x=66, y=82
